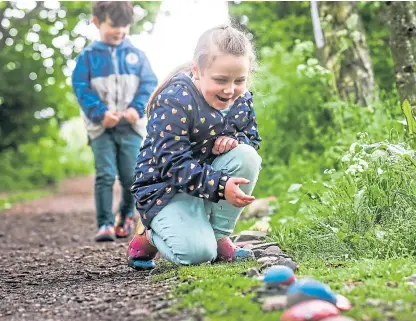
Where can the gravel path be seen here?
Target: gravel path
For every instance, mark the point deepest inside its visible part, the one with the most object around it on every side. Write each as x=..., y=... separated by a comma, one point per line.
x=52, y=270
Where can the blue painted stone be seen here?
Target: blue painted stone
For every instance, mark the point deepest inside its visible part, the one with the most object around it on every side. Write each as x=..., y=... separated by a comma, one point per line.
x=304, y=290
x=278, y=275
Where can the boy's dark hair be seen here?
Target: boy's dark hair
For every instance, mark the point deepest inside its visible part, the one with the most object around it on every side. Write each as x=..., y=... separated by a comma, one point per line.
x=120, y=12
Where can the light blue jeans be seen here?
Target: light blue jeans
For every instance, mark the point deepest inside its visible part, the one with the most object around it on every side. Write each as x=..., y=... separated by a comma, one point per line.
x=187, y=229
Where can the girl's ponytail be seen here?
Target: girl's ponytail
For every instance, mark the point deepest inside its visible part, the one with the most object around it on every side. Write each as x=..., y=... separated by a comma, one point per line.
x=186, y=68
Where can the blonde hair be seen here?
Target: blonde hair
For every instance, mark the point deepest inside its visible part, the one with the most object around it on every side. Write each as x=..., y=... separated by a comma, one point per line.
x=221, y=39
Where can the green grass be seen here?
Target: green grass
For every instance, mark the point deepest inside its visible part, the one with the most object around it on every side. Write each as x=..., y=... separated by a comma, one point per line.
x=223, y=293
x=7, y=201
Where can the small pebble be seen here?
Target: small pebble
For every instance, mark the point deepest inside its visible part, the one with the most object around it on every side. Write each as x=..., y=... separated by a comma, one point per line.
x=140, y=311
x=373, y=302
x=274, y=303
x=253, y=272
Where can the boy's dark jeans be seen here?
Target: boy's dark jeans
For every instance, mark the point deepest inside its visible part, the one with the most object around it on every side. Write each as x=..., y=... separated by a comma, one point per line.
x=115, y=153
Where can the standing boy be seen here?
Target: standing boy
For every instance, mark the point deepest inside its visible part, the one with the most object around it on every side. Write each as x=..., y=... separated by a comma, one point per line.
x=113, y=81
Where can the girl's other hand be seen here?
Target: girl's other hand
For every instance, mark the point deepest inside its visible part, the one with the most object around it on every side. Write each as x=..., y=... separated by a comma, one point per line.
x=224, y=144
x=234, y=195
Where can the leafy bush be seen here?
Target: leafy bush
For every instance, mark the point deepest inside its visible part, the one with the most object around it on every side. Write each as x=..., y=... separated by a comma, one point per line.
x=48, y=159
x=305, y=127
x=328, y=210
x=367, y=211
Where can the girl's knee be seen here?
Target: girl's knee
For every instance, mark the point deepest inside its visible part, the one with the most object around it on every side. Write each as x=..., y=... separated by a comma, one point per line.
x=198, y=252
x=246, y=160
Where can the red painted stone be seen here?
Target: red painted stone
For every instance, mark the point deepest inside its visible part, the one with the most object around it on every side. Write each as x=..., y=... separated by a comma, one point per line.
x=313, y=310
x=338, y=318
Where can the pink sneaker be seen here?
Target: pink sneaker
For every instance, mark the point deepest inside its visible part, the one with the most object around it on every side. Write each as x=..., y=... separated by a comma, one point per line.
x=123, y=226
x=230, y=252
x=141, y=252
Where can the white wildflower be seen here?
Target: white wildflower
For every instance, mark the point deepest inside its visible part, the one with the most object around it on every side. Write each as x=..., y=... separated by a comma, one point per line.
x=353, y=169
x=363, y=163
x=346, y=158
x=380, y=234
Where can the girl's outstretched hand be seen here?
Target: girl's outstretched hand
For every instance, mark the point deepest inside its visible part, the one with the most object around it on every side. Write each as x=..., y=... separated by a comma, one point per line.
x=234, y=195
x=224, y=144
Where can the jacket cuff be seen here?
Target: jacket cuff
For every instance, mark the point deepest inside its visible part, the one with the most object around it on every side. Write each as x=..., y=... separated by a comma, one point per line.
x=98, y=117
x=242, y=138
x=221, y=186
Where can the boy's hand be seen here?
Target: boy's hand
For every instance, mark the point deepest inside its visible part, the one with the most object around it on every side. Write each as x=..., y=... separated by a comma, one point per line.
x=224, y=144
x=111, y=119
x=131, y=115
x=234, y=195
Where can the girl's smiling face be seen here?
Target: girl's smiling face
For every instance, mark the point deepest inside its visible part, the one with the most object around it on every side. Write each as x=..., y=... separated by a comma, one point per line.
x=223, y=80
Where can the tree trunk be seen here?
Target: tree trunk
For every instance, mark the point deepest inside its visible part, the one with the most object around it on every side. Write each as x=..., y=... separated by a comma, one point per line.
x=346, y=52
x=402, y=24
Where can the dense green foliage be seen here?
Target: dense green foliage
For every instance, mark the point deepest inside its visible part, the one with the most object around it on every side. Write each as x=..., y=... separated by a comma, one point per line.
x=38, y=44
x=326, y=210
x=274, y=22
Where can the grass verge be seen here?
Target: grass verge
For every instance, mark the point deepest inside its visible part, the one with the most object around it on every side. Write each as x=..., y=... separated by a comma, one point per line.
x=8, y=200
x=378, y=289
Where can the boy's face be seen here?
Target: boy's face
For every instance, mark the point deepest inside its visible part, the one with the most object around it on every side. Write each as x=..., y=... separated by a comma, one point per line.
x=110, y=34
x=223, y=81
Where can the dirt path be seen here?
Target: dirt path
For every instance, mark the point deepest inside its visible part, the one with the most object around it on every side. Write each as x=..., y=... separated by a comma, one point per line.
x=52, y=270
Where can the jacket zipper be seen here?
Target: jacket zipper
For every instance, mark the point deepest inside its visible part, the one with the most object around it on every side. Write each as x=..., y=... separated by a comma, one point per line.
x=114, y=58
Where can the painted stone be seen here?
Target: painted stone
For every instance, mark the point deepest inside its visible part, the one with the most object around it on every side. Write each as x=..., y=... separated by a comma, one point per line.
x=338, y=318
x=309, y=289
x=343, y=303
x=312, y=310
x=278, y=275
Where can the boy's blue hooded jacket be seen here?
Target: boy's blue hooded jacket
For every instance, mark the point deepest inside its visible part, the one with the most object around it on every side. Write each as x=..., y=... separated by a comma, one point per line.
x=112, y=78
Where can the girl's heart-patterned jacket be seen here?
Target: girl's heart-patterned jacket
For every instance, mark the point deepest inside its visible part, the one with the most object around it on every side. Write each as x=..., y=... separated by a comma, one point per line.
x=177, y=152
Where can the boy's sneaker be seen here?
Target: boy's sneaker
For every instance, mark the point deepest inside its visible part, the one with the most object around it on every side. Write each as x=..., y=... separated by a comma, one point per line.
x=230, y=252
x=105, y=233
x=141, y=252
x=123, y=226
